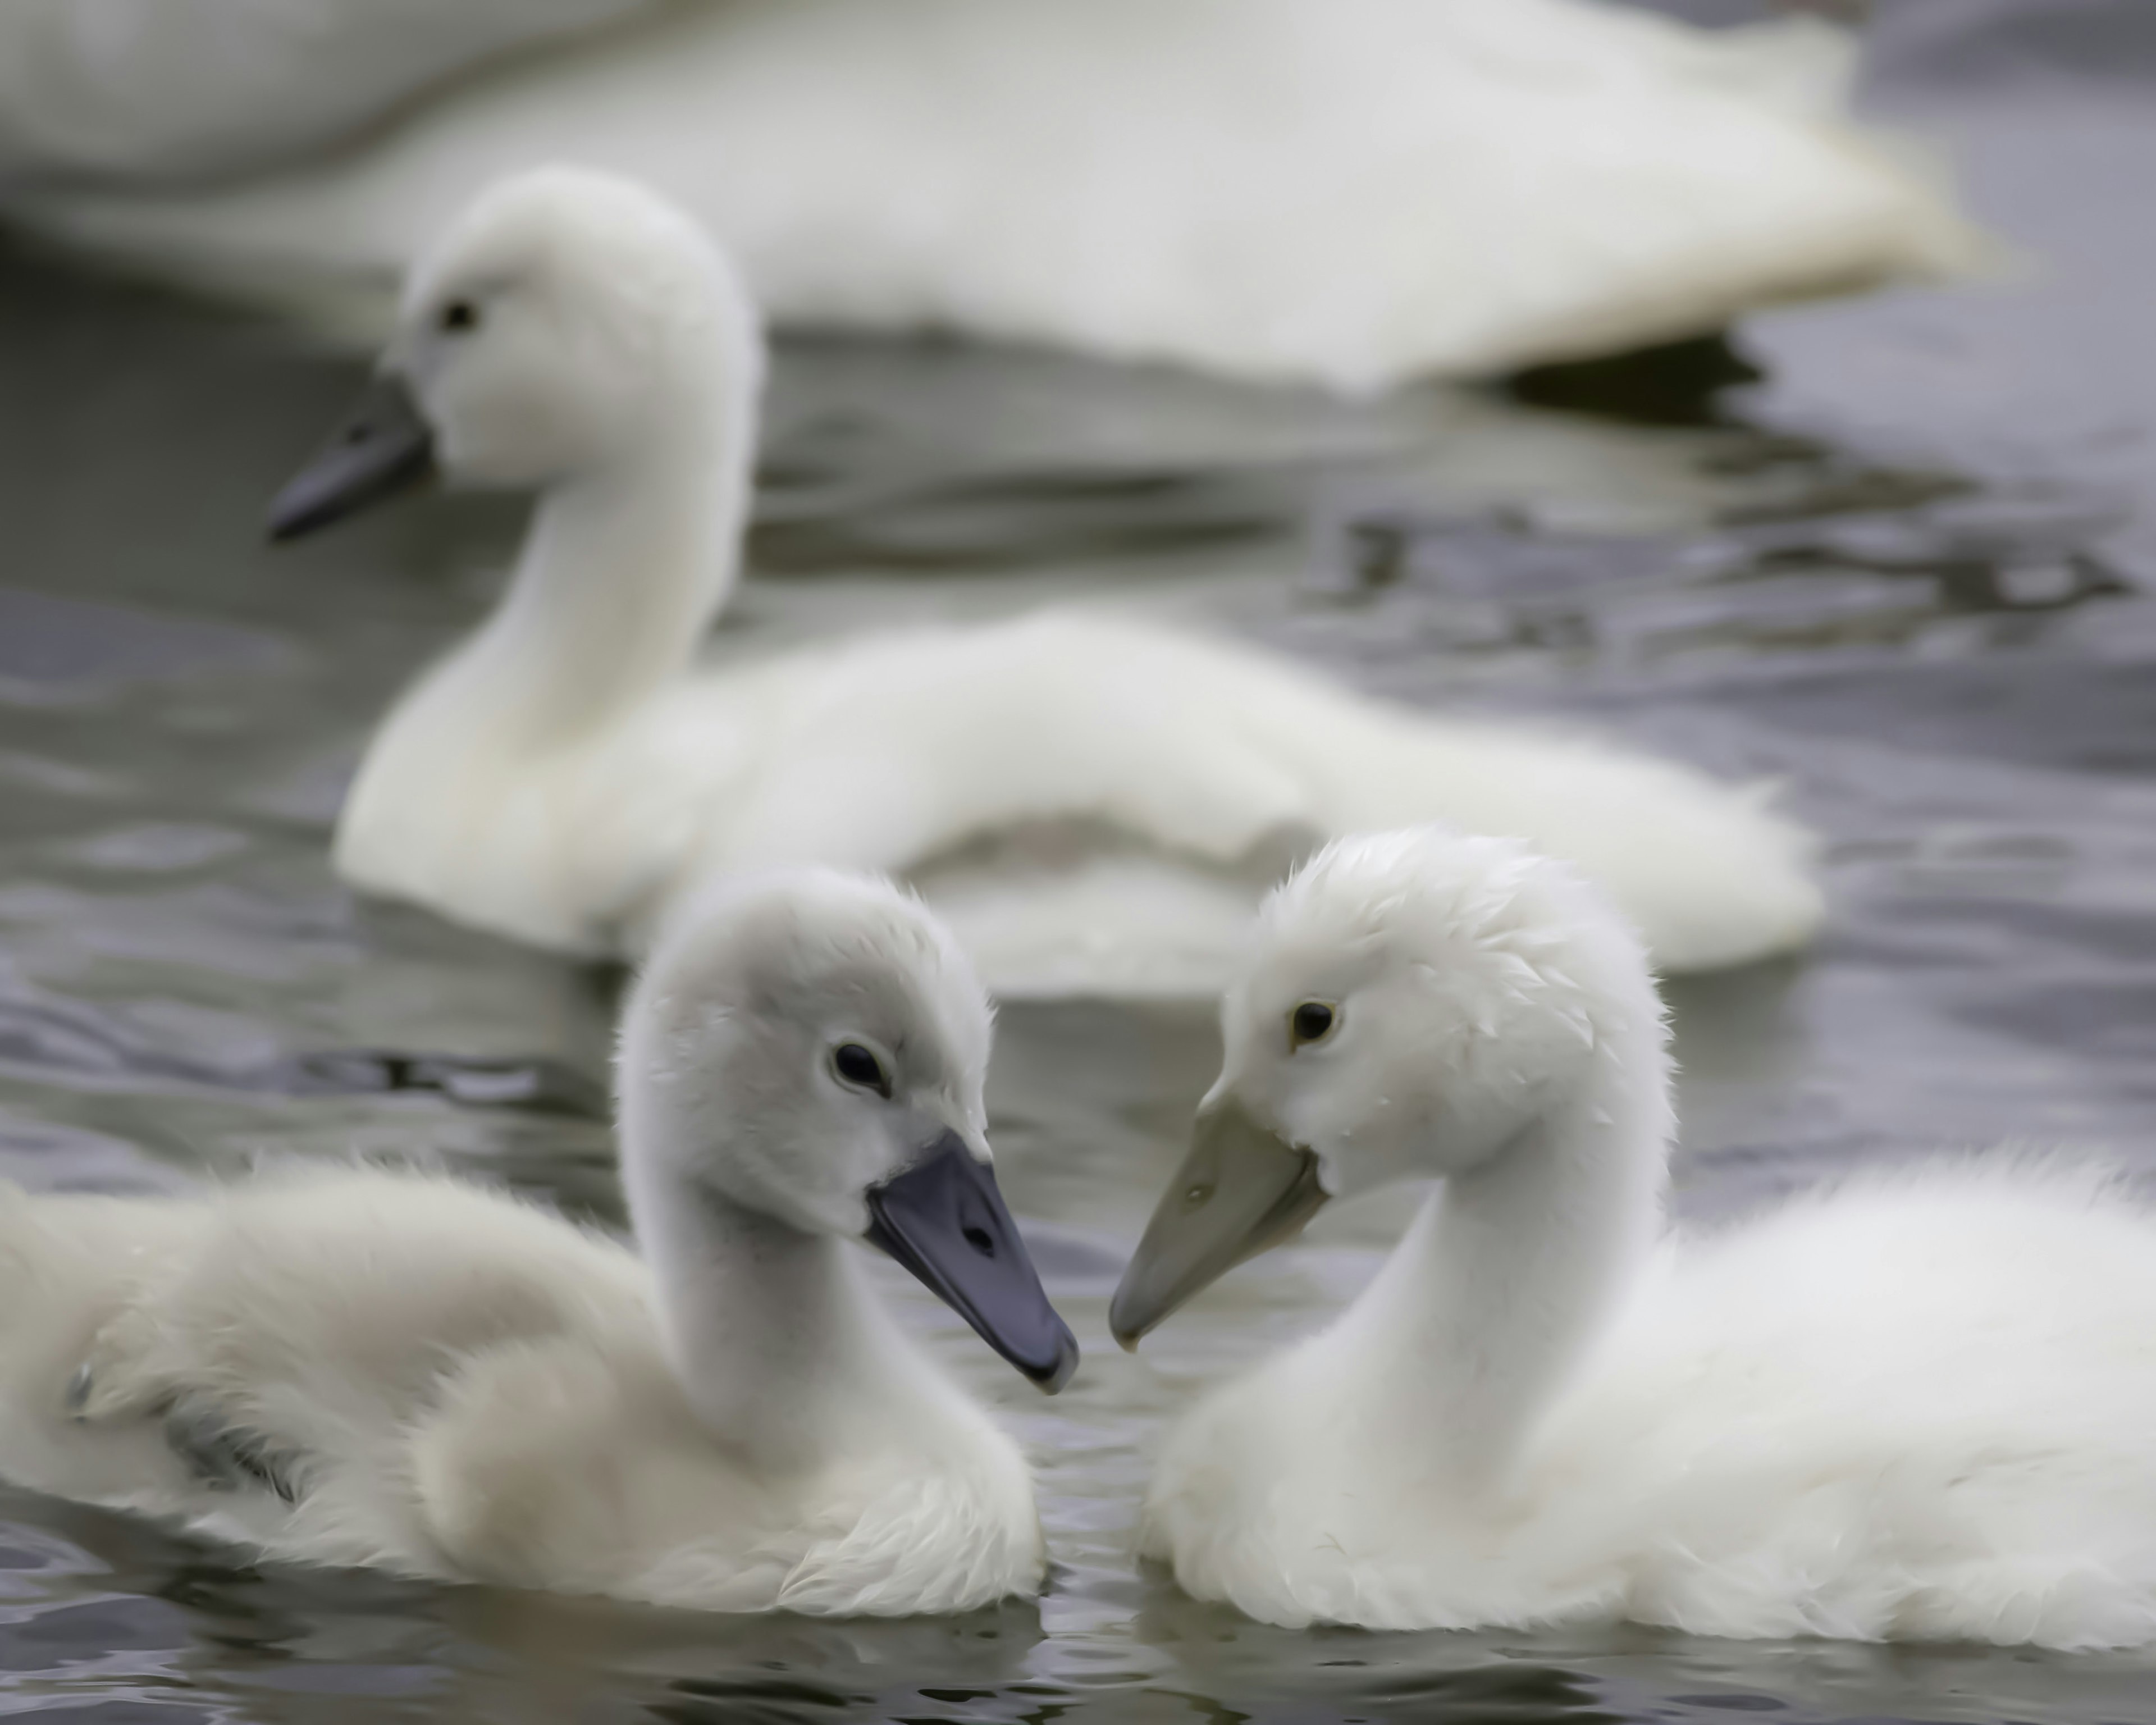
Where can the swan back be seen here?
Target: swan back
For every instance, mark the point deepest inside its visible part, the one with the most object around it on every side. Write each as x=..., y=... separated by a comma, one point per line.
x=1348, y=191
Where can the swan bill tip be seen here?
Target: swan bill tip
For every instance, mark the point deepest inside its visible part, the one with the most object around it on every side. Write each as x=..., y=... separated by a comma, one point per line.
x=1051, y=1380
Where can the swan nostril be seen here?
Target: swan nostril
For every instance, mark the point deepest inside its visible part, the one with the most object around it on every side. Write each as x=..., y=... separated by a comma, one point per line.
x=978, y=1238
x=355, y=434
x=1198, y=1195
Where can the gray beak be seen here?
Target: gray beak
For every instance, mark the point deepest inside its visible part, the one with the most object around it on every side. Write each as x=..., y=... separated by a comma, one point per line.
x=1241, y=1191
x=383, y=447
x=944, y=1220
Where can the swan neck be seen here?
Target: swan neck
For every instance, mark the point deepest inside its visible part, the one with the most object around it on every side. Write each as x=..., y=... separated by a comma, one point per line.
x=1511, y=1273
x=771, y=1330
x=621, y=574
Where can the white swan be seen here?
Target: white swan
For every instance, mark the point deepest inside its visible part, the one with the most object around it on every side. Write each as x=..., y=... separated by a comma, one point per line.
x=367, y=1368
x=1351, y=192
x=1096, y=804
x=1917, y=1406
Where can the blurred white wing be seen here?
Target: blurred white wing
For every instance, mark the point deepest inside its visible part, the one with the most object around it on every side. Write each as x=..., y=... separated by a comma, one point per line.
x=1353, y=192
x=165, y=89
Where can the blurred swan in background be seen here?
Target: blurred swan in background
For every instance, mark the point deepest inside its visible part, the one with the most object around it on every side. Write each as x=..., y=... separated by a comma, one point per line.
x=1916, y=1405
x=1095, y=803
x=1348, y=192
x=358, y=1367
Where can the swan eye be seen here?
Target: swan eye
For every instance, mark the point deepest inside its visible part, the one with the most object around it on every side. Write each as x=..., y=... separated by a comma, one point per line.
x=857, y=1066
x=1310, y=1022
x=458, y=315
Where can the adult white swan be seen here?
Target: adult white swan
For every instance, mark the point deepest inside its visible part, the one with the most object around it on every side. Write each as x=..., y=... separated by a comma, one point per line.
x=1095, y=803
x=1351, y=192
x=367, y=1368
x=1915, y=1406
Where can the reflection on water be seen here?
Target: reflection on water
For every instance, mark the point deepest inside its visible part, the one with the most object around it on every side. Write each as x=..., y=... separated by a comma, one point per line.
x=1952, y=679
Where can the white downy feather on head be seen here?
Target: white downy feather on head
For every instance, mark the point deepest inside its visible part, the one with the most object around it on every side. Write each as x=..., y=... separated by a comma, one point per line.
x=1471, y=983
x=727, y=1043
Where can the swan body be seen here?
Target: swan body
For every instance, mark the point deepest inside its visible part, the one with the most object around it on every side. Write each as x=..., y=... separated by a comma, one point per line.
x=173, y=91
x=1916, y=1404
x=1346, y=192
x=1095, y=804
x=363, y=1367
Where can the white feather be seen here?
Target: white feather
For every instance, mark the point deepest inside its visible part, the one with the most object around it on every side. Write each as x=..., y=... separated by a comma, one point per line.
x=1351, y=192
x=444, y=1382
x=1916, y=1404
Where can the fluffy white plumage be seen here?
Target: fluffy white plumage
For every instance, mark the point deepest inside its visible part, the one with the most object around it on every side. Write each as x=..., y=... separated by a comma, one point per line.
x=1095, y=804
x=1351, y=192
x=1916, y=1405
x=131, y=92
x=403, y=1370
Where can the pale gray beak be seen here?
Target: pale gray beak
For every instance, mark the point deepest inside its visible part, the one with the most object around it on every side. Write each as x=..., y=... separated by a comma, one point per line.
x=1241, y=1190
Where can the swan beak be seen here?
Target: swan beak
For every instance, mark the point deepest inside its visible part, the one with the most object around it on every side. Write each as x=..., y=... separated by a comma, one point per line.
x=383, y=447
x=1242, y=1190
x=944, y=1220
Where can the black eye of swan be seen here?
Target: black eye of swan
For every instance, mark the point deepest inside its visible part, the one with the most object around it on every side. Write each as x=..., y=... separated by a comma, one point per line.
x=857, y=1066
x=460, y=314
x=1310, y=1022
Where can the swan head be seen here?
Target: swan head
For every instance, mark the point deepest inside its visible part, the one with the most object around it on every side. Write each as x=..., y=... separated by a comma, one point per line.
x=811, y=1050
x=567, y=320
x=1410, y=1003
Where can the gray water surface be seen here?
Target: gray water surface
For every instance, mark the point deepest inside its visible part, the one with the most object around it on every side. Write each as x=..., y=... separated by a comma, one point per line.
x=1933, y=628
